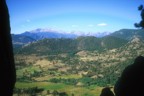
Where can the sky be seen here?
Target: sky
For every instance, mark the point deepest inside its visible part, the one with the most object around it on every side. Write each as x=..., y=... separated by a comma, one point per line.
x=73, y=16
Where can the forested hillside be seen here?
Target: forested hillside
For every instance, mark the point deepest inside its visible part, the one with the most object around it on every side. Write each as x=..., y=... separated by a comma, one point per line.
x=84, y=62
x=66, y=45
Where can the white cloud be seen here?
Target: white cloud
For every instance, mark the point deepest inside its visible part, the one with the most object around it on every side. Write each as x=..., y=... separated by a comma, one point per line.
x=102, y=24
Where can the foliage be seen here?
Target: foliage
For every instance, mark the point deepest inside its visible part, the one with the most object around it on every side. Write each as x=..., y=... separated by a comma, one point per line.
x=141, y=23
x=31, y=91
x=70, y=81
x=56, y=46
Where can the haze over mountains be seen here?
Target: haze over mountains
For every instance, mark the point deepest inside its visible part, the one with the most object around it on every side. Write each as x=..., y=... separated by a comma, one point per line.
x=39, y=34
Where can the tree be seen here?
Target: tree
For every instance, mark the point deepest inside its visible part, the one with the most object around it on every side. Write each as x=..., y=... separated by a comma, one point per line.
x=141, y=23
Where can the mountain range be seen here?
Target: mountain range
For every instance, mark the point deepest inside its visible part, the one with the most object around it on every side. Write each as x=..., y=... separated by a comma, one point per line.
x=39, y=34
x=67, y=45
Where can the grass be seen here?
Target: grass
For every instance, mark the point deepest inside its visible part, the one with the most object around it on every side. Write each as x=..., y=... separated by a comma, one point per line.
x=70, y=89
x=70, y=76
x=30, y=69
x=48, y=77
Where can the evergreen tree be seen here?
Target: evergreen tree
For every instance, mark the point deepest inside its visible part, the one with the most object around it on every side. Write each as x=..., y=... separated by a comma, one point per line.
x=141, y=23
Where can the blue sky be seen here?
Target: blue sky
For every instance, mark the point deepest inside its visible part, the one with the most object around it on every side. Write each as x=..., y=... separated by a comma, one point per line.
x=78, y=16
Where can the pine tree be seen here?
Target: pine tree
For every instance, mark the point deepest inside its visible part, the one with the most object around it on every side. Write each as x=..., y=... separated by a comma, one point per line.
x=141, y=23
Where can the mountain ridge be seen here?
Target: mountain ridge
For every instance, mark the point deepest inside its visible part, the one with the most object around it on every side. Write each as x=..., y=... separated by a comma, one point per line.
x=39, y=34
x=64, y=45
x=128, y=34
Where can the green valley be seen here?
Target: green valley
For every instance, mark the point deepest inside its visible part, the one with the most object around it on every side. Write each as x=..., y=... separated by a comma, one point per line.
x=73, y=67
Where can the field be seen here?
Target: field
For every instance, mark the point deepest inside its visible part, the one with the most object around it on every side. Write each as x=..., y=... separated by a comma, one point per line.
x=69, y=89
x=41, y=73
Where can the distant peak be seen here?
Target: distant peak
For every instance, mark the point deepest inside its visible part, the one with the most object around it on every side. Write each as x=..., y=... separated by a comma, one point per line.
x=42, y=30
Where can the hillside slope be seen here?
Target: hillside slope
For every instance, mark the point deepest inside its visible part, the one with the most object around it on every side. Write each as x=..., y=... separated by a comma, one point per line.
x=128, y=34
x=64, y=45
x=102, y=67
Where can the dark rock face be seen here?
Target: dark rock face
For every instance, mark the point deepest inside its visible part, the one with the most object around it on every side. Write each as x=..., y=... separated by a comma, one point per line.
x=106, y=92
x=7, y=67
x=131, y=81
